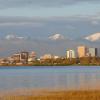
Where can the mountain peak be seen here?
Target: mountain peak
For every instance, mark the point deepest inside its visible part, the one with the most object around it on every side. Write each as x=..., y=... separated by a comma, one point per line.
x=14, y=37
x=94, y=37
x=57, y=37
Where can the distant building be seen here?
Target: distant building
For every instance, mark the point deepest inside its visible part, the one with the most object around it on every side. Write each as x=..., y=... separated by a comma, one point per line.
x=32, y=57
x=46, y=56
x=70, y=54
x=93, y=52
x=24, y=57
x=32, y=54
x=11, y=60
x=82, y=51
x=56, y=57
x=4, y=61
x=16, y=57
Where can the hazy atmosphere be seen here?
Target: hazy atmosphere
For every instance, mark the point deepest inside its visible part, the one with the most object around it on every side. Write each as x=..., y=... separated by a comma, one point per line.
x=48, y=26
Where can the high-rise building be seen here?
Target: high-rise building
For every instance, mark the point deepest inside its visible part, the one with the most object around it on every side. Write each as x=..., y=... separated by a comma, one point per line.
x=93, y=52
x=70, y=54
x=82, y=51
x=24, y=57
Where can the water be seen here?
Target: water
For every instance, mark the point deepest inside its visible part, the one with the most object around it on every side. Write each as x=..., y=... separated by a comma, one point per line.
x=67, y=78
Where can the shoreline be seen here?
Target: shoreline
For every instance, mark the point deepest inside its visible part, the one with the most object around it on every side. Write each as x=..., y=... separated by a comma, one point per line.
x=52, y=95
x=48, y=65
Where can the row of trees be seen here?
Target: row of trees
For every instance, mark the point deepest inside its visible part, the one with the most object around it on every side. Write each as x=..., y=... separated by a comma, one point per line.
x=64, y=61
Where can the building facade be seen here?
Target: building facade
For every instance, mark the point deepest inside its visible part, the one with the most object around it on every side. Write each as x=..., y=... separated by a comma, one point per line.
x=16, y=57
x=32, y=57
x=93, y=52
x=24, y=57
x=82, y=51
x=46, y=56
x=70, y=54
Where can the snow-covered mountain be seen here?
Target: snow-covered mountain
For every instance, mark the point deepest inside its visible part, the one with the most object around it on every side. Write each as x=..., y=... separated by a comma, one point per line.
x=14, y=37
x=93, y=37
x=56, y=37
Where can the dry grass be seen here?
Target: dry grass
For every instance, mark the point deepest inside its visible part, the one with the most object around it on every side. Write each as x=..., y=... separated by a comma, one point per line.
x=64, y=95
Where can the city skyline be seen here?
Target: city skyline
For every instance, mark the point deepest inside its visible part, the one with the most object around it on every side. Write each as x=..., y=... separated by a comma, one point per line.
x=78, y=52
x=89, y=54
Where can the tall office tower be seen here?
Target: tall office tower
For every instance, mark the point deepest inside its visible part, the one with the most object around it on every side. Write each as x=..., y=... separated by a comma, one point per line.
x=82, y=51
x=70, y=54
x=93, y=52
x=24, y=57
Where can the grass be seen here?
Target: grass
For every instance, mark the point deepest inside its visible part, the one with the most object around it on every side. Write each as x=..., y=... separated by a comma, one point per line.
x=64, y=95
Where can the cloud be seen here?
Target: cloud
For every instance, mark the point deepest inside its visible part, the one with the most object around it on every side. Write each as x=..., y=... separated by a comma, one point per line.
x=41, y=20
x=39, y=27
x=38, y=3
x=22, y=21
x=95, y=22
x=21, y=24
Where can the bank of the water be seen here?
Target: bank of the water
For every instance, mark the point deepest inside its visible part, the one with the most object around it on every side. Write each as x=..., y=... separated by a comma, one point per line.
x=57, y=65
x=58, y=95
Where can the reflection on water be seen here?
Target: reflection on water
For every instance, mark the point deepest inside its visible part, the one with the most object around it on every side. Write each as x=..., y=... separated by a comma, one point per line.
x=53, y=78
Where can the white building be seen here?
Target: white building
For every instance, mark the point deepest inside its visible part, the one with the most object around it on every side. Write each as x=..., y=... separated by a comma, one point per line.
x=70, y=54
x=32, y=56
x=56, y=57
x=93, y=52
x=46, y=56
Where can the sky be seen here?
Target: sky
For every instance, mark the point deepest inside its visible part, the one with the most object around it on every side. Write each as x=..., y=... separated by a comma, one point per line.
x=39, y=18
x=32, y=20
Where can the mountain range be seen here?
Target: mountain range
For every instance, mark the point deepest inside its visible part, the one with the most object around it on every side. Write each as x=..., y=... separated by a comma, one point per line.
x=93, y=38
x=57, y=37
x=54, y=44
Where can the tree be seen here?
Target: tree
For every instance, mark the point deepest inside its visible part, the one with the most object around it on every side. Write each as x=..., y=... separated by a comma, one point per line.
x=85, y=60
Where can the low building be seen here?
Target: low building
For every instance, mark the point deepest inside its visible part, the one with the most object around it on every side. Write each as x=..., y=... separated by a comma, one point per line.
x=21, y=57
x=32, y=54
x=46, y=56
x=16, y=57
x=11, y=60
x=56, y=57
x=4, y=61
x=32, y=57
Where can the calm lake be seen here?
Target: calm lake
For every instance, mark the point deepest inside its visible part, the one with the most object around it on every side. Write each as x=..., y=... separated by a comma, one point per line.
x=67, y=78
